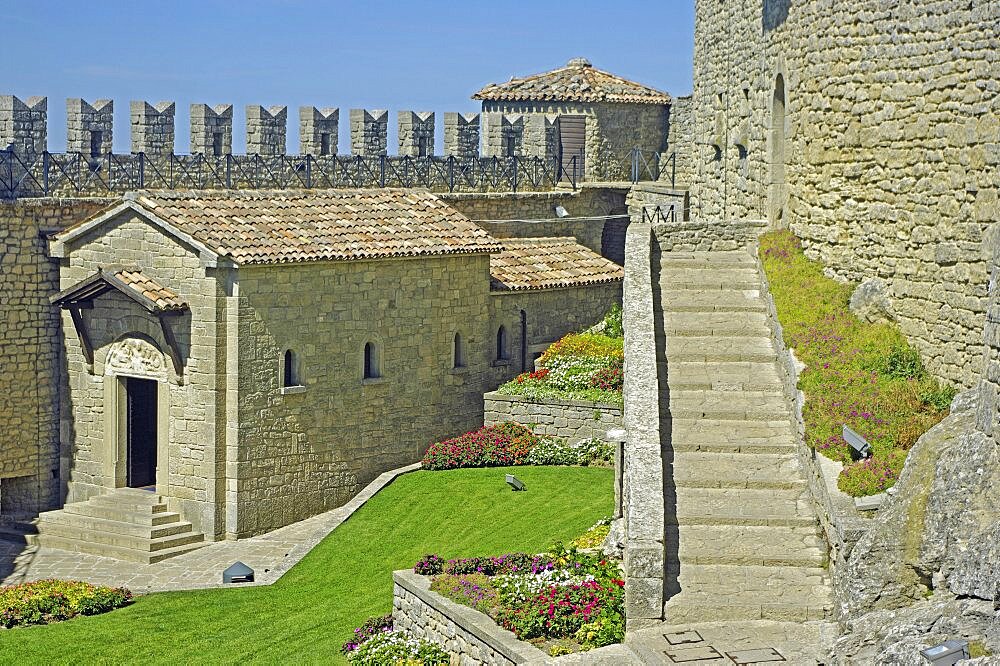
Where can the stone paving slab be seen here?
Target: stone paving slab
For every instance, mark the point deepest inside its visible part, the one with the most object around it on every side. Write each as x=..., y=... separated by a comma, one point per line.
x=269, y=555
x=697, y=469
x=728, y=376
x=744, y=643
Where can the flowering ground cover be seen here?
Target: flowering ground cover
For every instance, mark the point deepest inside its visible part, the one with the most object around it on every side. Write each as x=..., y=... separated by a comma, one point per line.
x=579, y=366
x=511, y=443
x=44, y=601
x=863, y=375
x=309, y=613
x=563, y=600
x=376, y=643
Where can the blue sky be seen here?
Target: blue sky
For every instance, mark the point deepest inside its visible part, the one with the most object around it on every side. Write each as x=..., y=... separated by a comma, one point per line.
x=424, y=56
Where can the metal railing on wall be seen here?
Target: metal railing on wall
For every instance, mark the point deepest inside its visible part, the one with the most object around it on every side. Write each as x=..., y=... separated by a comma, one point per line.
x=67, y=174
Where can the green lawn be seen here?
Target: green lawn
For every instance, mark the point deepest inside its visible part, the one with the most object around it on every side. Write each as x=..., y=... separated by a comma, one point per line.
x=311, y=611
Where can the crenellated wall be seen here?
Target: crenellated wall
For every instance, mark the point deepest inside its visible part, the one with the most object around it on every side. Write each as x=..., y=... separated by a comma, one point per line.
x=871, y=130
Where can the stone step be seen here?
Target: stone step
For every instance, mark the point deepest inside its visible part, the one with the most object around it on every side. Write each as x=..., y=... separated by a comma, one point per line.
x=129, y=503
x=727, y=436
x=97, y=524
x=707, y=260
x=724, y=376
x=67, y=530
x=716, y=324
x=739, y=349
x=723, y=300
x=116, y=552
x=123, y=514
x=738, y=592
x=750, y=546
x=734, y=470
x=739, y=506
x=680, y=277
x=728, y=405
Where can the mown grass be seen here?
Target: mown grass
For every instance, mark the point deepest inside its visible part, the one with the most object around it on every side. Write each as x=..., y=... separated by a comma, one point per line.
x=312, y=610
x=864, y=375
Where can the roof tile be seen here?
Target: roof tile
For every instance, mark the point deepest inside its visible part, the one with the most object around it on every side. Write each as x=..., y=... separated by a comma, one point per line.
x=549, y=263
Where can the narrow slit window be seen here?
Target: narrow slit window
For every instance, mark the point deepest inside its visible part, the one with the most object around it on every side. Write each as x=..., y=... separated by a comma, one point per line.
x=291, y=370
x=371, y=364
x=324, y=143
x=217, y=144
x=96, y=139
x=459, y=352
x=502, y=353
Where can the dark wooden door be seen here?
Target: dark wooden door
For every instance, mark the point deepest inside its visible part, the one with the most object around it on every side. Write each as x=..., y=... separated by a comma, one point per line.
x=572, y=139
x=141, y=431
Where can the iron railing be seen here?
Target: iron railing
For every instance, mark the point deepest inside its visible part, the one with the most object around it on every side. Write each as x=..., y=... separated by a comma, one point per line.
x=67, y=174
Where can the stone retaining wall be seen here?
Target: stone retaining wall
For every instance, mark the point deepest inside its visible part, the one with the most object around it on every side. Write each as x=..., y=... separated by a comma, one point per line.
x=465, y=633
x=571, y=419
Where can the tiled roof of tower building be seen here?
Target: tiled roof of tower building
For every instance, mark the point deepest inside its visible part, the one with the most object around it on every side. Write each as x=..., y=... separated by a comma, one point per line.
x=578, y=81
x=129, y=281
x=272, y=226
x=549, y=263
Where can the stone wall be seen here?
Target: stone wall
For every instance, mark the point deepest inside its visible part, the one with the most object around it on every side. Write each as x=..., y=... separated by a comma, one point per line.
x=491, y=210
x=309, y=449
x=675, y=234
x=30, y=362
x=572, y=420
x=549, y=314
x=677, y=162
x=872, y=132
x=468, y=635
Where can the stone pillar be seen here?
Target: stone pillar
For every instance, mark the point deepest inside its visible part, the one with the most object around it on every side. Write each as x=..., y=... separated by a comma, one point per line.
x=89, y=127
x=318, y=130
x=461, y=135
x=369, y=131
x=266, y=129
x=152, y=127
x=416, y=133
x=212, y=129
x=23, y=125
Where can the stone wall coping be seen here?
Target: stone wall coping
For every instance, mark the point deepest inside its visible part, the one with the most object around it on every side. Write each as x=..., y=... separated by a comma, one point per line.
x=554, y=194
x=659, y=188
x=470, y=620
x=563, y=402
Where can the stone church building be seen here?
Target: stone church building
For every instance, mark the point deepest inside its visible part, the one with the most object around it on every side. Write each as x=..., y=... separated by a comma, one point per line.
x=259, y=356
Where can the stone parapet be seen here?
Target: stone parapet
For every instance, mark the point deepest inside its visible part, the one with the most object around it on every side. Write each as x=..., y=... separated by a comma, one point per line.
x=211, y=129
x=416, y=133
x=266, y=129
x=152, y=127
x=369, y=131
x=89, y=127
x=461, y=135
x=571, y=419
x=318, y=131
x=23, y=125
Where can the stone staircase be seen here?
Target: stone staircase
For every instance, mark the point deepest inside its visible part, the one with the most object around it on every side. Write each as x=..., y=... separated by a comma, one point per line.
x=743, y=541
x=126, y=524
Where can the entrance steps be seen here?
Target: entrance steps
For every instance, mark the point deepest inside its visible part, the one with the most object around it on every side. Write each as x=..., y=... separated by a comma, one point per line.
x=741, y=531
x=126, y=524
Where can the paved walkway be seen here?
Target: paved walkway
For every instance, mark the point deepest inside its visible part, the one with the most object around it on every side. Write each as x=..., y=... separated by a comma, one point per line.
x=269, y=555
x=746, y=563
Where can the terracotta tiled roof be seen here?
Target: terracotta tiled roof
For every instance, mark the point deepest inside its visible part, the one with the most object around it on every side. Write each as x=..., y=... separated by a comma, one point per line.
x=578, y=81
x=263, y=227
x=129, y=281
x=549, y=263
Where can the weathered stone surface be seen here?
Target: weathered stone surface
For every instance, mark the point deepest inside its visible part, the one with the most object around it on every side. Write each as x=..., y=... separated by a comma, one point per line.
x=614, y=543
x=976, y=571
x=870, y=301
x=572, y=420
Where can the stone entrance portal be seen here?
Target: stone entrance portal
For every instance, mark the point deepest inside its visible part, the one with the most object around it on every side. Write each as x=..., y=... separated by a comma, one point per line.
x=140, y=431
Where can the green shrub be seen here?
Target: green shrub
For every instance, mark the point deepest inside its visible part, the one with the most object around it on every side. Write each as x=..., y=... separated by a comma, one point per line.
x=613, y=327
x=470, y=589
x=44, y=601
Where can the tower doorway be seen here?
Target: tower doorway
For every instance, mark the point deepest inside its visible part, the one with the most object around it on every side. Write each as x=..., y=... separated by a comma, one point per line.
x=572, y=139
x=140, y=431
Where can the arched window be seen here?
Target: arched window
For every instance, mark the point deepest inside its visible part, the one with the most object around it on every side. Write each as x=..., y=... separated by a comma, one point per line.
x=372, y=368
x=458, y=355
x=502, y=350
x=291, y=370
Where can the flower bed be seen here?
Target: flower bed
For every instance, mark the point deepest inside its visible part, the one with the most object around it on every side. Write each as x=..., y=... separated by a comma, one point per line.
x=509, y=443
x=562, y=601
x=45, y=601
x=863, y=375
x=580, y=366
x=375, y=643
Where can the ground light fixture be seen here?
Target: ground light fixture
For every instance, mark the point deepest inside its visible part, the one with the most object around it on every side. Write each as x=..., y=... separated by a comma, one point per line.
x=561, y=212
x=238, y=573
x=859, y=447
x=515, y=483
x=947, y=653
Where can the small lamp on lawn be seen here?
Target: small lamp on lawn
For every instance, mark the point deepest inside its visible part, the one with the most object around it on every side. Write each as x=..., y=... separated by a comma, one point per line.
x=859, y=447
x=947, y=653
x=515, y=483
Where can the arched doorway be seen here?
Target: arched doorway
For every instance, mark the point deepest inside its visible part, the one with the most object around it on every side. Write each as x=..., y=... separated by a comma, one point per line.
x=776, y=184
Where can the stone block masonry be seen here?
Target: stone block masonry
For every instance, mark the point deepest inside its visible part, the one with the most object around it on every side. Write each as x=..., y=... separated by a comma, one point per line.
x=416, y=133
x=89, y=127
x=461, y=135
x=23, y=125
x=369, y=131
x=211, y=129
x=572, y=420
x=152, y=127
x=266, y=129
x=318, y=130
